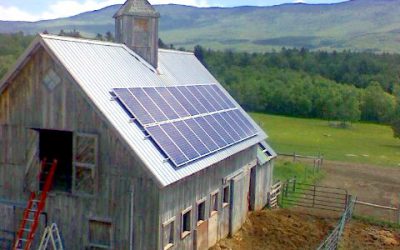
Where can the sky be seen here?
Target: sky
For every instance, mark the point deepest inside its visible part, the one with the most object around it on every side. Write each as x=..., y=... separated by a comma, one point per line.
x=34, y=10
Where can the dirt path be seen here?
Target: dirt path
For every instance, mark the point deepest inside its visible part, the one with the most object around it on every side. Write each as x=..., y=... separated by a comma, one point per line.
x=374, y=184
x=279, y=229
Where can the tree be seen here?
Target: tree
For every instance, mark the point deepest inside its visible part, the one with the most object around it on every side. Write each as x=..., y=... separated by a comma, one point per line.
x=109, y=37
x=396, y=120
x=99, y=37
x=161, y=44
x=199, y=53
x=349, y=107
x=378, y=106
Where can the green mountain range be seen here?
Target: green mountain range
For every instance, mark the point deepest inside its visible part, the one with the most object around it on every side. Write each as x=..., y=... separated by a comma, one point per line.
x=358, y=25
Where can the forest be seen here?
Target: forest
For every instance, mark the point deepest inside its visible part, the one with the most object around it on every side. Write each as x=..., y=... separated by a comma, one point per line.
x=339, y=86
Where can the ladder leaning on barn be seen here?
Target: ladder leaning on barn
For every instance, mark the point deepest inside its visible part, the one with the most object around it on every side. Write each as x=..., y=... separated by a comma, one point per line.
x=35, y=207
x=51, y=234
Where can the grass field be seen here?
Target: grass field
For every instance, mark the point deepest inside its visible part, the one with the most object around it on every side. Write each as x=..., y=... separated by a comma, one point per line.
x=361, y=143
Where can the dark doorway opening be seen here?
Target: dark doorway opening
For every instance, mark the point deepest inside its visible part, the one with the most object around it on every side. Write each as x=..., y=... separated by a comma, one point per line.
x=57, y=145
x=252, y=189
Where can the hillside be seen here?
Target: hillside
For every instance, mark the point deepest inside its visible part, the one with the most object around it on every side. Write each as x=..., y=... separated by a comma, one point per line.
x=368, y=25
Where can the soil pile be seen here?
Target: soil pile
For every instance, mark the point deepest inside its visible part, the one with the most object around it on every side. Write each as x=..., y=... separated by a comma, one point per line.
x=359, y=235
x=279, y=229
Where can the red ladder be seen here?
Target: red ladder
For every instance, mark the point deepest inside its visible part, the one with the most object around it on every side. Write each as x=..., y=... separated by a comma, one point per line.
x=33, y=210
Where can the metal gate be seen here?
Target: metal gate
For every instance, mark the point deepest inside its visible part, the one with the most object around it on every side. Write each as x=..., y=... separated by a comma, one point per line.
x=312, y=196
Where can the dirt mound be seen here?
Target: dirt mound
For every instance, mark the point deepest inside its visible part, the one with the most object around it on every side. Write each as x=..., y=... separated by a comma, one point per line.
x=359, y=235
x=279, y=229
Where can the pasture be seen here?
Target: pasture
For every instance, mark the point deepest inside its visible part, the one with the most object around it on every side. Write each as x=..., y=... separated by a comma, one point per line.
x=361, y=143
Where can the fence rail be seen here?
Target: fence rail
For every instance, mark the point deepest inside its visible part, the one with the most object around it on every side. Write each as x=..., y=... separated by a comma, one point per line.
x=318, y=161
x=393, y=212
x=332, y=241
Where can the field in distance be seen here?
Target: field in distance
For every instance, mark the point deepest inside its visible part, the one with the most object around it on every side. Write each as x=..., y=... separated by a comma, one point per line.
x=361, y=143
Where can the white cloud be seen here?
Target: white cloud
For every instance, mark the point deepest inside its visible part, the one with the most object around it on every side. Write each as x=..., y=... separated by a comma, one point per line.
x=299, y=1
x=15, y=14
x=65, y=8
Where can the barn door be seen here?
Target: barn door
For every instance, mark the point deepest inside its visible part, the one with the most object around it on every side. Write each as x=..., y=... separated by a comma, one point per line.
x=32, y=168
x=85, y=163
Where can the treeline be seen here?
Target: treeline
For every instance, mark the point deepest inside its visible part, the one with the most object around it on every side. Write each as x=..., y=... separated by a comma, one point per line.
x=11, y=46
x=342, y=86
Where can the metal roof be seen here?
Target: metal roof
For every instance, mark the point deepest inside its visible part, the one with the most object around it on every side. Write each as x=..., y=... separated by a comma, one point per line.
x=98, y=67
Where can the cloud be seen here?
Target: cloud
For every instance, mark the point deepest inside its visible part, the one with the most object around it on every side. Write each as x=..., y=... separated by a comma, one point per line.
x=66, y=8
x=15, y=14
x=299, y=1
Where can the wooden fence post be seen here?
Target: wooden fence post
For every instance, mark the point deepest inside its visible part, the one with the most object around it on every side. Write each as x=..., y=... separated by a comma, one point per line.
x=398, y=211
x=294, y=157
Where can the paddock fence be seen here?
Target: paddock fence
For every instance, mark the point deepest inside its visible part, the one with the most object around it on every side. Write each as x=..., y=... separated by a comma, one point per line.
x=332, y=241
x=299, y=194
x=377, y=212
x=316, y=161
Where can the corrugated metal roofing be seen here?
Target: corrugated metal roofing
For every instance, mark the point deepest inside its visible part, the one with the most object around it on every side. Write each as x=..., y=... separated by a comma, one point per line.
x=98, y=67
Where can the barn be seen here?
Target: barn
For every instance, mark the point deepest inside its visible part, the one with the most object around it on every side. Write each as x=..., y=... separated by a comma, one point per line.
x=148, y=150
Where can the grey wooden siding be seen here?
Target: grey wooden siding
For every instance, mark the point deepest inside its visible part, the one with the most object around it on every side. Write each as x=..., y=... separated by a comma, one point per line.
x=177, y=197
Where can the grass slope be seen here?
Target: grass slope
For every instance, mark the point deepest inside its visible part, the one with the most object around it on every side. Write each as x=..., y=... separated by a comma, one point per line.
x=362, y=143
x=372, y=25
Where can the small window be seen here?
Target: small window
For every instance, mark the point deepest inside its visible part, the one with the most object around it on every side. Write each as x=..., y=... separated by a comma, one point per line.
x=201, y=211
x=99, y=234
x=226, y=196
x=186, y=223
x=168, y=233
x=214, y=203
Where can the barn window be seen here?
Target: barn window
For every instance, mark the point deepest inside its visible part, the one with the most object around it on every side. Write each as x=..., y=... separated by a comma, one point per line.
x=226, y=196
x=201, y=211
x=51, y=80
x=100, y=233
x=85, y=163
x=186, y=222
x=168, y=233
x=214, y=203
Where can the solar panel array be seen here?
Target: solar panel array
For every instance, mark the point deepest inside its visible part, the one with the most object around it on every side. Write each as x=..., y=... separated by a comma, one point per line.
x=187, y=122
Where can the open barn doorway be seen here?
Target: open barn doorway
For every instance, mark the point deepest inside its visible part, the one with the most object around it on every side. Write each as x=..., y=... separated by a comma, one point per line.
x=57, y=145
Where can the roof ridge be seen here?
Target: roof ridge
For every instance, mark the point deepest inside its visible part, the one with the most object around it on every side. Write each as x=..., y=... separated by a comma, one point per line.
x=81, y=40
x=176, y=51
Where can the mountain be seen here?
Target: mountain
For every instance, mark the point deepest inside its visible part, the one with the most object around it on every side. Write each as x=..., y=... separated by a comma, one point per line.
x=367, y=25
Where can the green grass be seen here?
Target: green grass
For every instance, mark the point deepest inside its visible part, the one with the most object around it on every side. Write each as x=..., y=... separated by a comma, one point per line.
x=304, y=173
x=361, y=143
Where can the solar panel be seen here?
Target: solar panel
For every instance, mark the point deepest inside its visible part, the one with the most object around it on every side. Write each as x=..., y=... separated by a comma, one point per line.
x=184, y=101
x=205, y=91
x=205, y=102
x=187, y=122
x=148, y=104
x=165, y=108
x=134, y=106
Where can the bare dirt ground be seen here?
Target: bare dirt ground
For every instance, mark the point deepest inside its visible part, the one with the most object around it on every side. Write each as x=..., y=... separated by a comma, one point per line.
x=359, y=235
x=279, y=229
x=373, y=184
